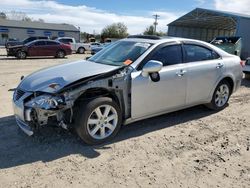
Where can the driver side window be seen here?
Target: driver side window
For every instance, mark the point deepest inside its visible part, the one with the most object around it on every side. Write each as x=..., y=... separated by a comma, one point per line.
x=168, y=55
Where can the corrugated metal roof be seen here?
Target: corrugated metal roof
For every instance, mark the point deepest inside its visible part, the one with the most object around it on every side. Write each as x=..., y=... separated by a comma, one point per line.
x=226, y=13
x=206, y=18
x=210, y=19
x=37, y=25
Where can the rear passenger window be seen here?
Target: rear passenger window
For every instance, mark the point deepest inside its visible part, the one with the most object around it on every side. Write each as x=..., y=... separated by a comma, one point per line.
x=168, y=55
x=40, y=43
x=51, y=43
x=198, y=53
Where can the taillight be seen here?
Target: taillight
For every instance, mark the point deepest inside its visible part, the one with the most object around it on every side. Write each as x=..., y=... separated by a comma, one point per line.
x=242, y=63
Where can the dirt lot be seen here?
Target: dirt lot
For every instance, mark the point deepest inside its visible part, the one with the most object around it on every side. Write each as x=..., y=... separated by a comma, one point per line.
x=189, y=148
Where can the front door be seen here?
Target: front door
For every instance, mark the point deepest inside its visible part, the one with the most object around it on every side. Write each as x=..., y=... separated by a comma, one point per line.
x=37, y=48
x=169, y=93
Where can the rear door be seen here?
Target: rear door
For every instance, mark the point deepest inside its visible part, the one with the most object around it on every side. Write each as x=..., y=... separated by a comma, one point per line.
x=205, y=67
x=51, y=48
x=149, y=97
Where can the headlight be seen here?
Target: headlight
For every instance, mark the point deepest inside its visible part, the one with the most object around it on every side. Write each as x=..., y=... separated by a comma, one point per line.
x=46, y=102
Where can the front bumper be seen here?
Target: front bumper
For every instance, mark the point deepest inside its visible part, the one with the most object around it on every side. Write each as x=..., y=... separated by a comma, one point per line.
x=24, y=127
x=22, y=115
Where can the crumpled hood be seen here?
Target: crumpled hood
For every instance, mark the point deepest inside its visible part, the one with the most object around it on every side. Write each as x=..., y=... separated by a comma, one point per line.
x=63, y=75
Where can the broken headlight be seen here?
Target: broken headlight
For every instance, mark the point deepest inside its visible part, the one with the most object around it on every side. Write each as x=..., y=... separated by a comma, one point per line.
x=47, y=102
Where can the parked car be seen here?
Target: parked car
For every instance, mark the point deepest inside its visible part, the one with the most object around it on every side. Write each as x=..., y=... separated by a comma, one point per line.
x=27, y=40
x=96, y=49
x=232, y=45
x=40, y=48
x=135, y=78
x=246, y=68
x=80, y=48
x=95, y=44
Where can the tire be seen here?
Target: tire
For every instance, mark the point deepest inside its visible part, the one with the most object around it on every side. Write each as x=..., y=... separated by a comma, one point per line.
x=93, y=125
x=60, y=54
x=221, y=96
x=21, y=54
x=81, y=50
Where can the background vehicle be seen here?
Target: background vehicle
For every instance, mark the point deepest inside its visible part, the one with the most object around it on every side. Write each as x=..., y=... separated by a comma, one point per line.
x=246, y=68
x=75, y=46
x=96, y=49
x=133, y=79
x=95, y=44
x=232, y=45
x=40, y=48
x=27, y=40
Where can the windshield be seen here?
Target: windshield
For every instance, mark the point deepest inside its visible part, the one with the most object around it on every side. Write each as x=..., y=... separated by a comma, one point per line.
x=120, y=53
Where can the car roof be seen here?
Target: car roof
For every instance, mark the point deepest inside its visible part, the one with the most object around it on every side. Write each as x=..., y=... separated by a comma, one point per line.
x=45, y=40
x=167, y=39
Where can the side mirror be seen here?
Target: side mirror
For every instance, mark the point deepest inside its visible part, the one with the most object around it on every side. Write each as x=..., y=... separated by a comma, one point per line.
x=151, y=67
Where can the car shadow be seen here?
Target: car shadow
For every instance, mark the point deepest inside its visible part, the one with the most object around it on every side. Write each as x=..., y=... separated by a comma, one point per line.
x=53, y=143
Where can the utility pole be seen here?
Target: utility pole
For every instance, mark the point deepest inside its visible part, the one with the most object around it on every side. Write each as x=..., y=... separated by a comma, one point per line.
x=156, y=16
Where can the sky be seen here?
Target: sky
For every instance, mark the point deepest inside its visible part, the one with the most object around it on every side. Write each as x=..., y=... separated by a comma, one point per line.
x=93, y=15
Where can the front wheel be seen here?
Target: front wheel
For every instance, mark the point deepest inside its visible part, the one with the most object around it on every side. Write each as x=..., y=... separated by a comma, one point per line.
x=221, y=96
x=98, y=120
x=21, y=55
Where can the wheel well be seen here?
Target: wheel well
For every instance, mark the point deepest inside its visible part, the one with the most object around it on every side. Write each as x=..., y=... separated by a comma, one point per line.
x=80, y=48
x=20, y=50
x=61, y=50
x=231, y=82
x=98, y=92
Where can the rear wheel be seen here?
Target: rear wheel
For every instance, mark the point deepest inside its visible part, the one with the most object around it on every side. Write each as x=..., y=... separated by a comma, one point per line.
x=221, y=96
x=60, y=54
x=21, y=55
x=98, y=120
x=81, y=50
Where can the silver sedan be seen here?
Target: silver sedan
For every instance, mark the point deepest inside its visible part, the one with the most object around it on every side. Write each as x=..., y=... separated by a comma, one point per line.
x=133, y=79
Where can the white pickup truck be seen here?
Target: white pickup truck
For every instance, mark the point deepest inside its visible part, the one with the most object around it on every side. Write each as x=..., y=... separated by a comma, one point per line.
x=75, y=46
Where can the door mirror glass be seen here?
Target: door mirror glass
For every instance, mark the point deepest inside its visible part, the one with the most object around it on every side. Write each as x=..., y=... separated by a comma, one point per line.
x=152, y=67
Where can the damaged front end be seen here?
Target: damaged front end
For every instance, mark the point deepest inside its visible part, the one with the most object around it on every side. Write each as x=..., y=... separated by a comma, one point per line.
x=36, y=109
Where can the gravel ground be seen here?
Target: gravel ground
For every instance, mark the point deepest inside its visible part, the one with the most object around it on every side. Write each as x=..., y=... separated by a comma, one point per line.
x=189, y=148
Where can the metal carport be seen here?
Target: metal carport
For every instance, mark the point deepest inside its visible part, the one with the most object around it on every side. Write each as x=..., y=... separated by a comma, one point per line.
x=205, y=24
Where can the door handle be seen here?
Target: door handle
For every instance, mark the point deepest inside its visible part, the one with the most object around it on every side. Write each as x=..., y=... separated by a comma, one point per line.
x=219, y=65
x=181, y=73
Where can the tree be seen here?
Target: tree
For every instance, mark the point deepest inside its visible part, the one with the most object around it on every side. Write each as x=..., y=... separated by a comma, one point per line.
x=116, y=30
x=3, y=15
x=149, y=30
x=15, y=15
x=40, y=20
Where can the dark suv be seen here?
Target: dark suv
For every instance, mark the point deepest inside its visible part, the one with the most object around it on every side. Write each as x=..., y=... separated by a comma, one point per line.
x=25, y=41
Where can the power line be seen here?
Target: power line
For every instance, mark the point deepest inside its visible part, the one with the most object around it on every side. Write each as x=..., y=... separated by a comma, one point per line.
x=156, y=17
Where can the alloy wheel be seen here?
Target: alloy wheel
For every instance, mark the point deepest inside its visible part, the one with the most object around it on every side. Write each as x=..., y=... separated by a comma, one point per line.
x=222, y=95
x=102, y=122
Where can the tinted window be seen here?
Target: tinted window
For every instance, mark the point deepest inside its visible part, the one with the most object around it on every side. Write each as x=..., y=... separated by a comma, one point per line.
x=52, y=43
x=40, y=43
x=168, y=55
x=198, y=53
x=29, y=40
